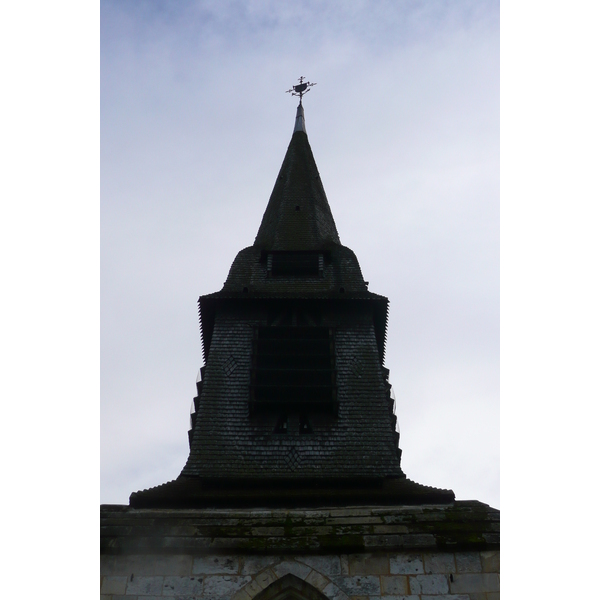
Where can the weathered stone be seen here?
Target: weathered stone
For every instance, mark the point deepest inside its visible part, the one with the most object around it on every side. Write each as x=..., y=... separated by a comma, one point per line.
x=358, y=585
x=144, y=586
x=265, y=578
x=182, y=586
x=383, y=541
x=439, y=563
x=314, y=530
x=350, y=512
x=254, y=564
x=428, y=584
x=468, y=562
x=394, y=585
x=327, y=565
x=291, y=566
x=268, y=531
x=334, y=593
x=411, y=597
x=344, y=564
x=114, y=585
x=146, y=564
x=475, y=582
x=388, y=529
x=406, y=564
x=368, y=564
x=493, y=596
x=490, y=561
x=354, y=520
x=209, y=565
x=317, y=580
x=252, y=588
x=223, y=586
x=241, y=595
x=418, y=540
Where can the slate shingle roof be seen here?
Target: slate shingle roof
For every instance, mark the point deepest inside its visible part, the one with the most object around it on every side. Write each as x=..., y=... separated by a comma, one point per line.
x=298, y=216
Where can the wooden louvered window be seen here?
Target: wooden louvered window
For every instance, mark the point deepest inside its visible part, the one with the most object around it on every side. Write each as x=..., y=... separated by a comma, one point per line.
x=293, y=368
x=295, y=264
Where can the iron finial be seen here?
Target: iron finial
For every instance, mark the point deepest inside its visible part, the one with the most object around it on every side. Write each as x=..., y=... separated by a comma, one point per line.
x=302, y=88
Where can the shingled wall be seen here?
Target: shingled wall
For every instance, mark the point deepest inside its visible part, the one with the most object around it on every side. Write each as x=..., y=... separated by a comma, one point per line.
x=358, y=443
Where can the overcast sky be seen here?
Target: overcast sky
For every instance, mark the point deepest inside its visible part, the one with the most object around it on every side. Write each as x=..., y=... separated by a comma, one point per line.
x=404, y=127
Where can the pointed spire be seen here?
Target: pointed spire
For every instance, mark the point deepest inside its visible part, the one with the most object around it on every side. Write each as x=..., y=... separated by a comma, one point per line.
x=298, y=216
x=300, y=124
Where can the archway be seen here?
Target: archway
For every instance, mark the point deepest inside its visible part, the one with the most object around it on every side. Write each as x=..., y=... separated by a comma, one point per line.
x=290, y=587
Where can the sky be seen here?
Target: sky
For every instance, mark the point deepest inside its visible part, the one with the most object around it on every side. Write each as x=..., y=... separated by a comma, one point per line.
x=404, y=127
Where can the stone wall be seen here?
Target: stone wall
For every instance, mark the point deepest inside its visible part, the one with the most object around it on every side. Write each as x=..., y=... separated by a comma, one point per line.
x=410, y=576
x=449, y=552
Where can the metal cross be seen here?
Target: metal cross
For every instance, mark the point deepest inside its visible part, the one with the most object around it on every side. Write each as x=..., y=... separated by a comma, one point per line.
x=302, y=88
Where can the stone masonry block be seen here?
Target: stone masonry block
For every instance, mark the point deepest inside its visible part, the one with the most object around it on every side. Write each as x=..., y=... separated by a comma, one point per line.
x=478, y=596
x=182, y=586
x=241, y=595
x=406, y=564
x=428, y=584
x=394, y=585
x=144, y=586
x=114, y=585
x=141, y=564
x=350, y=512
x=468, y=562
x=317, y=580
x=493, y=596
x=334, y=593
x=388, y=529
x=223, y=586
x=251, y=589
x=268, y=531
x=475, y=582
x=216, y=565
x=419, y=540
x=368, y=564
x=410, y=597
x=490, y=561
x=254, y=564
x=327, y=565
x=344, y=564
x=265, y=578
x=439, y=563
x=291, y=566
x=367, y=585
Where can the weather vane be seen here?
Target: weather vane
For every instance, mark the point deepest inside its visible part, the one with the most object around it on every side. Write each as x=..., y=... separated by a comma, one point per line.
x=302, y=88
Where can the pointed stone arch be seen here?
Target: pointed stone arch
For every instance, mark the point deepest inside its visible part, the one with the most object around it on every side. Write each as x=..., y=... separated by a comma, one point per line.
x=290, y=587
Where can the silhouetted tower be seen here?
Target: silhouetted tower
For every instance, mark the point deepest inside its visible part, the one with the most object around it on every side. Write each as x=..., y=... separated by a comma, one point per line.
x=293, y=404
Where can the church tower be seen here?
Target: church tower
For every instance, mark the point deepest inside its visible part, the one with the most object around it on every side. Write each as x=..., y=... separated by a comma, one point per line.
x=293, y=402
x=293, y=486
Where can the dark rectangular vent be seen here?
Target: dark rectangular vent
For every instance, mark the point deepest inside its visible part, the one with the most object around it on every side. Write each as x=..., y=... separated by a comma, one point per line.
x=295, y=264
x=293, y=367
